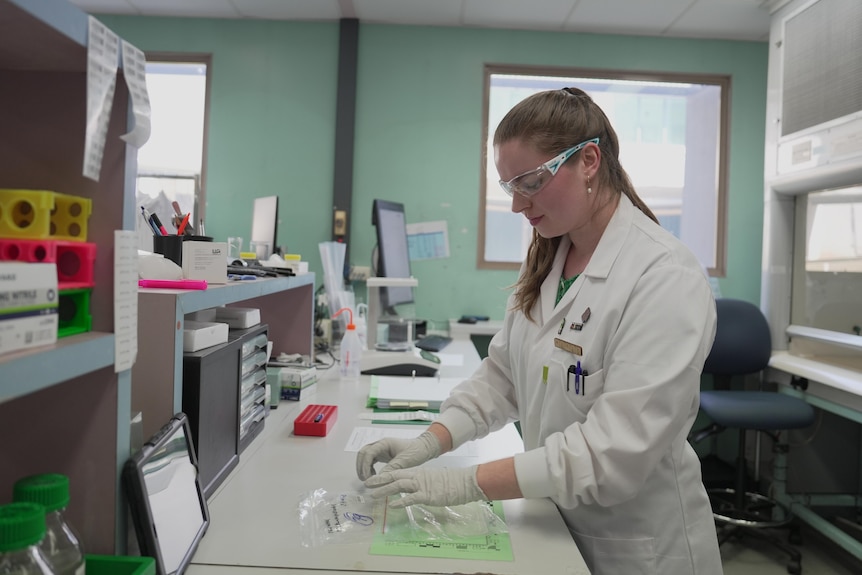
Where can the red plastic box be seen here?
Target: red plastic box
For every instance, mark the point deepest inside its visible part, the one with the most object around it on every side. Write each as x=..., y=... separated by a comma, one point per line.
x=75, y=260
x=315, y=420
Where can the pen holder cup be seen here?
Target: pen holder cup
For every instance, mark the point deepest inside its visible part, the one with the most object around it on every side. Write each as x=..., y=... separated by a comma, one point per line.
x=172, y=246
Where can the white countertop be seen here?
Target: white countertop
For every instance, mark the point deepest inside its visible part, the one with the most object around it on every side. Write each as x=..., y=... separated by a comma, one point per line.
x=254, y=521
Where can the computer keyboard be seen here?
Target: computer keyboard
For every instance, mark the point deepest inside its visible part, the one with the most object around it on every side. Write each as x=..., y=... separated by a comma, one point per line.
x=433, y=342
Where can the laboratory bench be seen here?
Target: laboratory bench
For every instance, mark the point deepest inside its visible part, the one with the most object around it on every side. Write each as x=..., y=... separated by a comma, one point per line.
x=822, y=473
x=254, y=521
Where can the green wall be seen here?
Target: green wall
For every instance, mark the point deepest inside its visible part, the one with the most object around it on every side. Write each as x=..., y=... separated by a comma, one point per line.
x=418, y=132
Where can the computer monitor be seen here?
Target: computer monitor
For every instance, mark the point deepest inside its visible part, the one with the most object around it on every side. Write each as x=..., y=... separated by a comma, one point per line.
x=264, y=226
x=393, y=257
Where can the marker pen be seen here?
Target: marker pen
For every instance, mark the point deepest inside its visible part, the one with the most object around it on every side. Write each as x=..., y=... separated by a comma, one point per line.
x=155, y=219
x=147, y=218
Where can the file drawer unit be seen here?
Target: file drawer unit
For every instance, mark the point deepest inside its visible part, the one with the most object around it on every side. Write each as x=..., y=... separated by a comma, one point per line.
x=252, y=382
x=211, y=402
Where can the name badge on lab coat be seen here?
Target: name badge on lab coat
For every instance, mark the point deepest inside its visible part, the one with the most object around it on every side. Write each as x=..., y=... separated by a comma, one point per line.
x=568, y=346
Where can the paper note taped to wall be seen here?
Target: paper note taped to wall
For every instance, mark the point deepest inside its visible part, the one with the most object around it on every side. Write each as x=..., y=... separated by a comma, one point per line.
x=103, y=52
x=428, y=240
x=135, y=72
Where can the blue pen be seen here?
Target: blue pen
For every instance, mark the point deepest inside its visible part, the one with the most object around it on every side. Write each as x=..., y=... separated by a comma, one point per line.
x=146, y=215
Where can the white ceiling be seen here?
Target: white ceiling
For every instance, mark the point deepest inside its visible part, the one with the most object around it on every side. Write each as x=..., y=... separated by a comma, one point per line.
x=722, y=19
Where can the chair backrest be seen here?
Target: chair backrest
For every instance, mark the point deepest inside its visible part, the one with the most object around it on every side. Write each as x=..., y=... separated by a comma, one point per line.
x=742, y=343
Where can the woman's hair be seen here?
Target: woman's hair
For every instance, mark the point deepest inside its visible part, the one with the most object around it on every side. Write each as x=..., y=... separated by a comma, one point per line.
x=552, y=122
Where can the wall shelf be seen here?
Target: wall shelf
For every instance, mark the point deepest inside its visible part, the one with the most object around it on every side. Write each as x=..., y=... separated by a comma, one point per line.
x=32, y=370
x=64, y=408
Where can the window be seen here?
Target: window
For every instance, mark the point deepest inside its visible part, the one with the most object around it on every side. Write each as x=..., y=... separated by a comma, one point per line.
x=170, y=164
x=672, y=132
x=827, y=275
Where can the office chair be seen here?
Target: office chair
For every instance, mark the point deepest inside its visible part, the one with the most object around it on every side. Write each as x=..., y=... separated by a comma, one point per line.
x=743, y=346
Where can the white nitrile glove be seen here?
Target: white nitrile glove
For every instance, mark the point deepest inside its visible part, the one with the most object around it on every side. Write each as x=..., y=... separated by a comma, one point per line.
x=398, y=453
x=436, y=486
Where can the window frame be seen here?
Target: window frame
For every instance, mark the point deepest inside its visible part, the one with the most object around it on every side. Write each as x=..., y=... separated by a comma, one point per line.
x=194, y=58
x=722, y=81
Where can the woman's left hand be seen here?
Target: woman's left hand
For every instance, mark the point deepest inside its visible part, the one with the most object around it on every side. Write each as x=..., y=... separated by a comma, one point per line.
x=436, y=486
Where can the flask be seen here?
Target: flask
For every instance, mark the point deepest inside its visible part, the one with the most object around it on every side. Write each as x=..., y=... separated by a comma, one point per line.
x=22, y=527
x=350, y=349
x=61, y=546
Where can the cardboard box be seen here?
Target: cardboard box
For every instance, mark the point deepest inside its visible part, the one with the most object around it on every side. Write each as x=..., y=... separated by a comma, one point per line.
x=205, y=261
x=198, y=335
x=291, y=393
x=238, y=317
x=29, y=305
x=290, y=383
x=297, y=267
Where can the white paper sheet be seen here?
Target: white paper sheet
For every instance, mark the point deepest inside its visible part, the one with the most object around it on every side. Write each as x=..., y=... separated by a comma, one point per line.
x=135, y=72
x=125, y=299
x=428, y=240
x=103, y=50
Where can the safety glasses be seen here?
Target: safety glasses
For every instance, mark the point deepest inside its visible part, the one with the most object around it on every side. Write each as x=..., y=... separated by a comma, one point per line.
x=530, y=183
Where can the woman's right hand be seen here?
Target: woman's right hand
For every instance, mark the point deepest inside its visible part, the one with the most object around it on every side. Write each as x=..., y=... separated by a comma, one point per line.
x=397, y=453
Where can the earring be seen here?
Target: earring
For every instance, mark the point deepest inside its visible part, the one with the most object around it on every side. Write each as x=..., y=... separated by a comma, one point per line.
x=589, y=189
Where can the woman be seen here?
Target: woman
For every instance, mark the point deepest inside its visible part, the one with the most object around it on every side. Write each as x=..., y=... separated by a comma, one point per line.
x=599, y=357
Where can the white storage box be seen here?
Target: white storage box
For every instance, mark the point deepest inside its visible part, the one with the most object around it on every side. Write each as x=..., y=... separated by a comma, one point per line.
x=238, y=317
x=198, y=335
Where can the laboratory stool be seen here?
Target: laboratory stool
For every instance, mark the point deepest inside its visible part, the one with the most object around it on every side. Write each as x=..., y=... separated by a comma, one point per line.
x=743, y=346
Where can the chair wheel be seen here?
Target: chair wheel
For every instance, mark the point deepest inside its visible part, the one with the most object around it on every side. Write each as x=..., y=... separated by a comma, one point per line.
x=794, y=537
x=794, y=569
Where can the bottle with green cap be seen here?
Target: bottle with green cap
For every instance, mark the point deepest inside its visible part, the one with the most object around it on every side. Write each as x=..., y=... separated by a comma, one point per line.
x=61, y=545
x=22, y=527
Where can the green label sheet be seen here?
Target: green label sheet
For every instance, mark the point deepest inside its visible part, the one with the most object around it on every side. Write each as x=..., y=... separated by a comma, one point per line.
x=397, y=538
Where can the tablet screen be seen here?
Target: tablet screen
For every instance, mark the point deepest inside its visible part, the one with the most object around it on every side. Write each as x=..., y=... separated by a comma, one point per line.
x=168, y=507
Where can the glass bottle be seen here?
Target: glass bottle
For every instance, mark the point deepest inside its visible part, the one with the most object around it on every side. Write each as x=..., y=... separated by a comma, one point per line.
x=22, y=527
x=61, y=545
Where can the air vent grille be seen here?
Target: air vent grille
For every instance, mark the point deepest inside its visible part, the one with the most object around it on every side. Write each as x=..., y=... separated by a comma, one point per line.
x=822, y=72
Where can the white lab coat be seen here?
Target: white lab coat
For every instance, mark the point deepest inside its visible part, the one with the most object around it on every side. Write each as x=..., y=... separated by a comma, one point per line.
x=614, y=457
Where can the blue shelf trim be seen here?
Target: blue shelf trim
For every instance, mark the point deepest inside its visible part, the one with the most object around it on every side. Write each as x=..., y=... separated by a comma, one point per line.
x=196, y=300
x=63, y=17
x=40, y=368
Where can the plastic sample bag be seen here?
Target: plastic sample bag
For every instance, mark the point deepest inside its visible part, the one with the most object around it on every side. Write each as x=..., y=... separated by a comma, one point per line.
x=327, y=518
x=333, y=518
x=451, y=523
